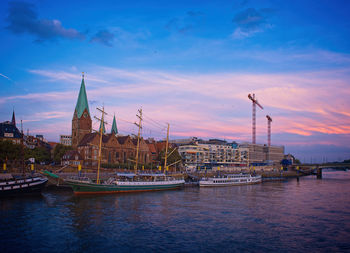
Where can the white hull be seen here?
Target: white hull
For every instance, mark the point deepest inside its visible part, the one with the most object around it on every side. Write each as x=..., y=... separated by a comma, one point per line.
x=229, y=180
x=147, y=183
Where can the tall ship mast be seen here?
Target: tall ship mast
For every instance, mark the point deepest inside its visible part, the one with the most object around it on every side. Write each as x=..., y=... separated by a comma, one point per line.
x=102, y=122
x=138, y=138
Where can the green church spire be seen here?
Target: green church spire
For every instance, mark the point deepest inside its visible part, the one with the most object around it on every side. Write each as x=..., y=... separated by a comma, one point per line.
x=82, y=102
x=114, y=126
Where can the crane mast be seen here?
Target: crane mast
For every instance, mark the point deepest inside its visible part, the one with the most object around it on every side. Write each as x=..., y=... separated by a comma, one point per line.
x=255, y=103
x=269, y=120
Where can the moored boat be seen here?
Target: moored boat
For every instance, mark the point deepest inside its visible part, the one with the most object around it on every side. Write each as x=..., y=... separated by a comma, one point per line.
x=10, y=185
x=231, y=179
x=126, y=183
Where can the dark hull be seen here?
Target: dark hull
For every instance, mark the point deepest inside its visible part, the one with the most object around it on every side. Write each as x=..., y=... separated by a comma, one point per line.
x=31, y=185
x=91, y=188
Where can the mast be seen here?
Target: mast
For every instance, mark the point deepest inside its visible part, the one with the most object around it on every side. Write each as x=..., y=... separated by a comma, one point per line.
x=22, y=150
x=138, y=138
x=166, y=147
x=100, y=145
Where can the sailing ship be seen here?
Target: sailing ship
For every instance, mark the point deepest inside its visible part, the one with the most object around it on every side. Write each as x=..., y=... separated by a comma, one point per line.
x=126, y=182
x=231, y=179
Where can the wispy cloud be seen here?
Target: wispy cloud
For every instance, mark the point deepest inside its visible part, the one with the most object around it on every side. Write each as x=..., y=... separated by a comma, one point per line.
x=251, y=21
x=186, y=23
x=22, y=18
x=214, y=105
x=6, y=77
x=103, y=37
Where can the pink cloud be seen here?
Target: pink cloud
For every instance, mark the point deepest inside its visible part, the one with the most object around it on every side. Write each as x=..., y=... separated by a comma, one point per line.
x=208, y=105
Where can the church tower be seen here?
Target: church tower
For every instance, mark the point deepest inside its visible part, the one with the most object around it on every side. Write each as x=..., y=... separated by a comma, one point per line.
x=13, y=121
x=81, y=122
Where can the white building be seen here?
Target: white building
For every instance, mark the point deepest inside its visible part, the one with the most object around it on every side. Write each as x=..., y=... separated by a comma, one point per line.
x=206, y=154
x=66, y=140
x=193, y=155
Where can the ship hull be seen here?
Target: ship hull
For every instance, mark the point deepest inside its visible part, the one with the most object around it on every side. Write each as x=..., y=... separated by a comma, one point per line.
x=32, y=185
x=80, y=188
x=230, y=181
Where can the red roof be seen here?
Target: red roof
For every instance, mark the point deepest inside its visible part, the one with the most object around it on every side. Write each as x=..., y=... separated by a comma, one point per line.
x=122, y=139
x=152, y=148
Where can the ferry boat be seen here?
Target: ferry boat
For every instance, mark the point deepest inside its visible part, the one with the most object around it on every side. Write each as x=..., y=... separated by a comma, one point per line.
x=231, y=179
x=128, y=182
x=10, y=185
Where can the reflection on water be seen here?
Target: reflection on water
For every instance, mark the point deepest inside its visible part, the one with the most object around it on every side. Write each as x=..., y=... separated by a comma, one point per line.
x=309, y=215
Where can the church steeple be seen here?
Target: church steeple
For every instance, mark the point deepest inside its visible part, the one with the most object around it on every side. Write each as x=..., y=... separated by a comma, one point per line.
x=82, y=102
x=13, y=121
x=81, y=122
x=114, y=127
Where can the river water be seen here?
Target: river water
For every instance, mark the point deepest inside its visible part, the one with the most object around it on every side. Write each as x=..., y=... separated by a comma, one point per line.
x=306, y=216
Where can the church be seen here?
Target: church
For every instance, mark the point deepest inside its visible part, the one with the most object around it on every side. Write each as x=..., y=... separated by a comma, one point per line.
x=9, y=131
x=116, y=148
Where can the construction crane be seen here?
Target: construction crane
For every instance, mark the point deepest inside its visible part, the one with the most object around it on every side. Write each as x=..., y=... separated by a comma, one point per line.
x=255, y=103
x=269, y=120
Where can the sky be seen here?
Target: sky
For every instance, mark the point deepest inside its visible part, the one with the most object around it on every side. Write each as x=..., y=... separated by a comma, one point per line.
x=188, y=63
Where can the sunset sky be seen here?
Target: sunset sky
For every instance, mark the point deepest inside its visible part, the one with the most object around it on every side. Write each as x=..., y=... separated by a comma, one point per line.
x=189, y=63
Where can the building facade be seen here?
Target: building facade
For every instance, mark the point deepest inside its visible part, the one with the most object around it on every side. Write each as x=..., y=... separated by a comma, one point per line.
x=66, y=140
x=115, y=150
x=214, y=153
x=259, y=153
x=72, y=158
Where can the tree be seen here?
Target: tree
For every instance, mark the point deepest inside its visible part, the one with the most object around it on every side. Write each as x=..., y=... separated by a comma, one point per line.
x=9, y=151
x=297, y=161
x=59, y=152
x=40, y=154
x=172, y=158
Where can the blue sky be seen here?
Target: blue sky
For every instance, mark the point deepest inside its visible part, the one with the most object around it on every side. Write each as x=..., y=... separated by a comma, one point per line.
x=189, y=63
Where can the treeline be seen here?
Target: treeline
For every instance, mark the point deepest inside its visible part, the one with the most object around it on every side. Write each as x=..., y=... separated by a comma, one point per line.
x=10, y=152
x=15, y=153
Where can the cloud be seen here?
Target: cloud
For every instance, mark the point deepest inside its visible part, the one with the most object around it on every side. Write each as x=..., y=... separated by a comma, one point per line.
x=296, y=101
x=186, y=23
x=251, y=21
x=65, y=76
x=104, y=37
x=6, y=77
x=309, y=107
x=195, y=13
x=22, y=18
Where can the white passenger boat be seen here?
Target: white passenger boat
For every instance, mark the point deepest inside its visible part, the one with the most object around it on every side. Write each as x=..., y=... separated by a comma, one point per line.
x=230, y=179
